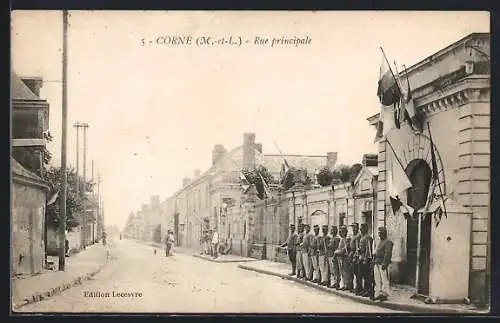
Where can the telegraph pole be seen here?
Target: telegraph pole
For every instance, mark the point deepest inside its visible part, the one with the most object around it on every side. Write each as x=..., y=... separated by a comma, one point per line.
x=62, y=223
x=77, y=126
x=84, y=227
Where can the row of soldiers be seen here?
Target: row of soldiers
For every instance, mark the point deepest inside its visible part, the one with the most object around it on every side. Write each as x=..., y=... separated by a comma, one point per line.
x=338, y=261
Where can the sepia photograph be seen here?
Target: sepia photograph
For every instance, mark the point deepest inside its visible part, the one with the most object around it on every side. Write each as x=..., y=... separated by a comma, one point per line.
x=318, y=162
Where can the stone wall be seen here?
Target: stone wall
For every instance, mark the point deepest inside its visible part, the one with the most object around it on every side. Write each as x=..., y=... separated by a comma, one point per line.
x=28, y=215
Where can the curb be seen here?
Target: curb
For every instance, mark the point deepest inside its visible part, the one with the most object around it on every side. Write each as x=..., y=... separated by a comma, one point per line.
x=387, y=304
x=222, y=261
x=37, y=297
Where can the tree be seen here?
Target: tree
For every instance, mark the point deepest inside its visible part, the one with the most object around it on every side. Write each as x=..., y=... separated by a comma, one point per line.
x=354, y=171
x=255, y=177
x=296, y=176
x=75, y=205
x=346, y=174
x=325, y=176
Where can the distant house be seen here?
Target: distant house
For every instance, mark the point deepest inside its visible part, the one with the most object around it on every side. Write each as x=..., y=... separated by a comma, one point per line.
x=29, y=193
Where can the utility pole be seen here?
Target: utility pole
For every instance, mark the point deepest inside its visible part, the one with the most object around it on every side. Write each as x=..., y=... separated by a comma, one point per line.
x=94, y=210
x=84, y=222
x=77, y=125
x=62, y=223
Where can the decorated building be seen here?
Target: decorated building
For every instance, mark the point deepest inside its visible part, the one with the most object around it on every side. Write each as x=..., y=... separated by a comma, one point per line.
x=441, y=247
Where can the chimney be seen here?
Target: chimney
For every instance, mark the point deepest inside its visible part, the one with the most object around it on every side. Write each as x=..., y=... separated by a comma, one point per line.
x=248, y=150
x=370, y=160
x=197, y=173
x=331, y=159
x=185, y=181
x=259, y=147
x=217, y=153
x=34, y=84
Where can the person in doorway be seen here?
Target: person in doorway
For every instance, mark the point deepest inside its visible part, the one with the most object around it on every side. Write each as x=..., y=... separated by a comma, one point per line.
x=333, y=262
x=382, y=261
x=305, y=247
x=300, y=265
x=365, y=260
x=215, y=243
x=355, y=275
x=314, y=253
x=291, y=245
x=323, y=258
x=342, y=254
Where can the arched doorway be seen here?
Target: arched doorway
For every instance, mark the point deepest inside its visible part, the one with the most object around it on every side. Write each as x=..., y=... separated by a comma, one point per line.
x=419, y=173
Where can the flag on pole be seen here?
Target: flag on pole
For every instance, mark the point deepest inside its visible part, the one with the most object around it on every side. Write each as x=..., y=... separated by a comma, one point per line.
x=284, y=168
x=386, y=122
x=53, y=198
x=397, y=183
x=388, y=90
x=266, y=192
x=245, y=184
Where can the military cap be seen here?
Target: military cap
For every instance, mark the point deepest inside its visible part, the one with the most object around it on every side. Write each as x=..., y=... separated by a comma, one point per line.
x=301, y=225
x=316, y=226
x=382, y=229
x=324, y=226
x=364, y=225
x=307, y=225
x=355, y=224
x=292, y=225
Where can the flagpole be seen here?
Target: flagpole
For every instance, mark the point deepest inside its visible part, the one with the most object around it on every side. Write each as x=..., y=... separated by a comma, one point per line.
x=390, y=69
x=395, y=155
x=440, y=190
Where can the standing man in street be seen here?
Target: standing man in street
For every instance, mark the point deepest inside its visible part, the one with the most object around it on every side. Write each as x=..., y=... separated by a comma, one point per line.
x=300, y=264
x=365, y=259
x=291, y=245
x=215, y=243
x=382, y=261
x=168, y=243
x=323, y=259
x=354, y=259
x=305, y=247
x=314, y=252
x=333, y=261
x=342, y=254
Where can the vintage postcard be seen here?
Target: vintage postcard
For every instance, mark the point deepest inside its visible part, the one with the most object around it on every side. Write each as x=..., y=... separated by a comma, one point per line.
x=250, y=162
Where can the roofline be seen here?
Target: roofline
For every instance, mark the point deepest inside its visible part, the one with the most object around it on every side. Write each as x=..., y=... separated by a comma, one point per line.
x=443, y=51
x=293, y=155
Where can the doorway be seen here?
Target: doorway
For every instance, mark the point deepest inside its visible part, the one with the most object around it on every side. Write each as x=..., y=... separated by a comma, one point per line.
x=419, y=174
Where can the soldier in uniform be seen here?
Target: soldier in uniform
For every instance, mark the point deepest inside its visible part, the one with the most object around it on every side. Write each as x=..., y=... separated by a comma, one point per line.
x=291, y=245
x=382, y=260
x=305, y=246
x=333, y=261
x=314, y=252
x=365, y=259
x=354, y=259
x=300, y=264
x=323, y=258
x=342, y=254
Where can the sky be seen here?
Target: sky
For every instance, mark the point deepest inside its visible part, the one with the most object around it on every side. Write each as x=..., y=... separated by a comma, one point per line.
x=156, y=111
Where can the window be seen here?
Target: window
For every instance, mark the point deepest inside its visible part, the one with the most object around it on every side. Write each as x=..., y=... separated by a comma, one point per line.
x=365, y=185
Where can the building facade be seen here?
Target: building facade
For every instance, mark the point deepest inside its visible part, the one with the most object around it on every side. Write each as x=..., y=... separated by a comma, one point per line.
x=451, y=91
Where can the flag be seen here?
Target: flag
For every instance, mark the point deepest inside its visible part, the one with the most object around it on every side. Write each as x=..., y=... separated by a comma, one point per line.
x=388, y=90
x=397, y=183
x=284, y=168
x=265, y=187
x=386, y=122
x=245, y=184
x=53, y=198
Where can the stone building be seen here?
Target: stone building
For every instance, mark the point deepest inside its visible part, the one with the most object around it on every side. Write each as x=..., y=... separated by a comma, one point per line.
x=214, y=198
x=29, y=194
x=451, y=91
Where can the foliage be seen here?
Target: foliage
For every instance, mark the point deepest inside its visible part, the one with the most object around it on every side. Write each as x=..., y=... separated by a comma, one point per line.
x=325, y=176
x=255, y=177
x=75, y=205
x=295, y=176
x=346, y=174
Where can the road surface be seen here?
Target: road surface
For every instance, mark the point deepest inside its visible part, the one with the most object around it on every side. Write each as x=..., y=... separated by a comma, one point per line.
x=139, y=281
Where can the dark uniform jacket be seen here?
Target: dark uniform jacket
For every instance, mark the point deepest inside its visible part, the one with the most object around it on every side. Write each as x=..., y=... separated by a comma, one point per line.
x=306, y=243
x=323, y=243
x=313, y=250
x=333, y=244
x=300, y=239
x=354, y=246
x=291, y=241
x=383, y=253
x=365, y=248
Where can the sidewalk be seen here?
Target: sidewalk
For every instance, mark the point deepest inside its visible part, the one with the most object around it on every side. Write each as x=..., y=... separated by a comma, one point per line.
x=399, y=300
x=79, y=267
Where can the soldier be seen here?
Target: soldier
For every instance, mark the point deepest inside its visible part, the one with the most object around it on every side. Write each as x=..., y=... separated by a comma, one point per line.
x=323, y=258
x=382, y=260
x=365, y=259
x=314, y=253
x=342, y=253
x=354, y=259
x=333, y=261
x=305, y=246
x=300, y=265
x=291, y=244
